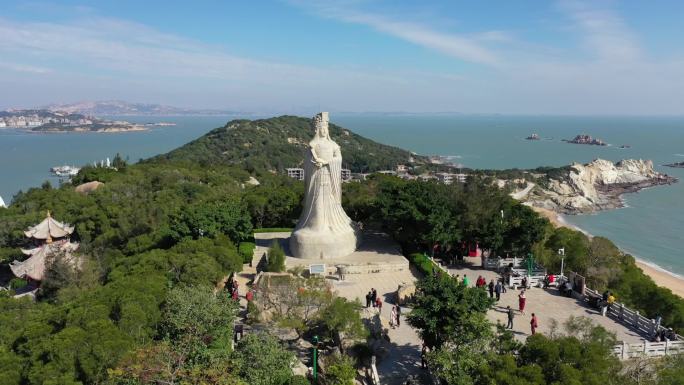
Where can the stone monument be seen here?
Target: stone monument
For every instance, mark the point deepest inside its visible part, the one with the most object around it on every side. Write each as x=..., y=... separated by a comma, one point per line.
x=324, y=230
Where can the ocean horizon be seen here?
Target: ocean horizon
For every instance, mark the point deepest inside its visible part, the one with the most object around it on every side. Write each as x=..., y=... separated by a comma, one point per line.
x=647, y=227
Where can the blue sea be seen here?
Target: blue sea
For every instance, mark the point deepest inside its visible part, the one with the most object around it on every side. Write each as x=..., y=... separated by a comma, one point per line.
x=649, y=227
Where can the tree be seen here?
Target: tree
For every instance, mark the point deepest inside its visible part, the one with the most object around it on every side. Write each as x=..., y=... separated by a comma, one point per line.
x=295, y=301
x=342, y=316
x=449, y=313
x=260, y=360
x=276, y=258
x=339, y=370
x=196, y=321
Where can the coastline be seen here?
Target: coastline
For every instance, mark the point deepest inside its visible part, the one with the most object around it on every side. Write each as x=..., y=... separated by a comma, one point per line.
x=662, y=277
x=658, y=274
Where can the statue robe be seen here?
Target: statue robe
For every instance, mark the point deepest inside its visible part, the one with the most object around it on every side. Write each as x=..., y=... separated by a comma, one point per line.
x=324, y=229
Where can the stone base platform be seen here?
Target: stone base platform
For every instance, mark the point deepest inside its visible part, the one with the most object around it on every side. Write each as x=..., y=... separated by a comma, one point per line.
x=377, y=253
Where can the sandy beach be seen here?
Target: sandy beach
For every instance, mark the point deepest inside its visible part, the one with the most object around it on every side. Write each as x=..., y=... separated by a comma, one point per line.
x=663, y=278
x=660, y=277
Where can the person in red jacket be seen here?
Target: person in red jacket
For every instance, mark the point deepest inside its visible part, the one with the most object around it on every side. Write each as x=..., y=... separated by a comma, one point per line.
x=534, y=324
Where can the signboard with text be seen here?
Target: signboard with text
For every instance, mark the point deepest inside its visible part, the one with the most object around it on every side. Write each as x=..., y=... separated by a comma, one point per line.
x=317, y=269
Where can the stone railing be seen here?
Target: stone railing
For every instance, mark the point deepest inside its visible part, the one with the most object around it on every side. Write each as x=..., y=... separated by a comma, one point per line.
x=626, y=351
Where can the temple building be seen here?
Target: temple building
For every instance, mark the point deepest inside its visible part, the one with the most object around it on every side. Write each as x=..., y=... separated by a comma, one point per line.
x=50, y=238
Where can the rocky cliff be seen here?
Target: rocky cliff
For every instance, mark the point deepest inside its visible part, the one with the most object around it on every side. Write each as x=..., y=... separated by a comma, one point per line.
x=595, y=186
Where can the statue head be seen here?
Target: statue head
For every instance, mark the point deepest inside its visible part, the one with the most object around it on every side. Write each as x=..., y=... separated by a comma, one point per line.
x=320, y=123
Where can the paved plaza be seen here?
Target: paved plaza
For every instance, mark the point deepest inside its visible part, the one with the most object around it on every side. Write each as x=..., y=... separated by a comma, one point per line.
x=547, y=304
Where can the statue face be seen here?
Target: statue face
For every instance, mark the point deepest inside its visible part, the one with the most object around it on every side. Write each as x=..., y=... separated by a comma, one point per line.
x=321, y=124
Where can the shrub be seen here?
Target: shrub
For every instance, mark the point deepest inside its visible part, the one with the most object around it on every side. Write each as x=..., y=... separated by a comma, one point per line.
x=246, y=250
x=422, y=262
x=273, y=230
x=339, y=370
x=276, y=258
x=18, y=283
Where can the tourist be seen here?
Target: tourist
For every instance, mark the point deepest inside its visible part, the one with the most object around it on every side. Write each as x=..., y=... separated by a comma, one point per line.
x=423, y=356
x=249, y=296
x=523, y=283
x=378, y=304
x=521, y=301
x=509, y=325
x=369, y=298
x=398, y=315
x=374, y=296
x=503, y=285
x=497, y=290
x=534, y=324
x=466, y=282
x=610, y=301
x=393, y=317
x=235, y=295
x=491, y=289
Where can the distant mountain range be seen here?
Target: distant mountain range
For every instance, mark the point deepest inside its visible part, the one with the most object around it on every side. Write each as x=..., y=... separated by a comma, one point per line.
x=118, y=107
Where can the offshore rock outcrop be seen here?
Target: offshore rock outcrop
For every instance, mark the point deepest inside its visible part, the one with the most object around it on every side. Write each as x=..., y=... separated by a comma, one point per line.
x=596, y=186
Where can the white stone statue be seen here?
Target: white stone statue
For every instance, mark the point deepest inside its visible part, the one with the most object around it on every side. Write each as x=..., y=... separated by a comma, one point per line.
x=324, y=230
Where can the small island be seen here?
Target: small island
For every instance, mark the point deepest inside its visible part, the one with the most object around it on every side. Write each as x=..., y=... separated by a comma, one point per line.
x=675, y=165
x=586, y=139
x=56, y=121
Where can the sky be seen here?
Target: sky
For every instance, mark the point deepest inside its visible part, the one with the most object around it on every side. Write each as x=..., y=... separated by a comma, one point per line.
x=291, y=56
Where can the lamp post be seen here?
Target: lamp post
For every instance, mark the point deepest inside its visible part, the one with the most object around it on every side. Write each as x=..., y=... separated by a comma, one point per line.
x=315, y=359
x=561, y=252
x=530, y=263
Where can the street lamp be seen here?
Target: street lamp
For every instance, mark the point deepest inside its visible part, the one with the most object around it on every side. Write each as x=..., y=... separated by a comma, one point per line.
x=315, y=359
x=561, y=252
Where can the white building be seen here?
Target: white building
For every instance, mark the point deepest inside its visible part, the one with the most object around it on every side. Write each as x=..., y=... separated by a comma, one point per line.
x=295, y=173
x=449, y=178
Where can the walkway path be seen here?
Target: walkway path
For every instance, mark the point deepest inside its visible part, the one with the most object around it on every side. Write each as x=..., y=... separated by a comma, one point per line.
x=403, y=357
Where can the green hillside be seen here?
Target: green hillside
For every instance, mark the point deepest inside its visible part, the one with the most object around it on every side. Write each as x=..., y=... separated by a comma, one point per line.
x=278, y=143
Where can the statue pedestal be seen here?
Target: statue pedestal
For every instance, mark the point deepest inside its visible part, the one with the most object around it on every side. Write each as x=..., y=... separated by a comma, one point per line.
x=378, y=253
x=307, y=244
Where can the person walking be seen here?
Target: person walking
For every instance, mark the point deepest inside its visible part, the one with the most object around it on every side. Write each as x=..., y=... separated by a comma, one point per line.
x=497, y=290
x=398, y=315
x=466, y=281
x=491, y=289
x=374, y=296
x=393, y=317
x=511, y=314
x=610, y=301
x=521, y=302
x=378, y=304
x=534, y=324
x=423, y=357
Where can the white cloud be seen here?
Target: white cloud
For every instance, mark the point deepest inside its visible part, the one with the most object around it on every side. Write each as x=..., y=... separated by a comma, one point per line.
x=18, y=67
x=461, y=47
x=603, y=31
